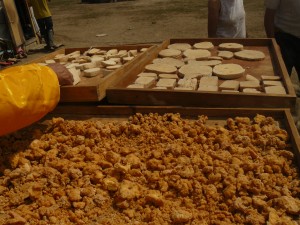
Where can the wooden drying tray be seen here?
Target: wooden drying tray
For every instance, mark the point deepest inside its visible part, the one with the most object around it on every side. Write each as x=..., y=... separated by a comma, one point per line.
x=91, y=111
x=271, y=65
x=93, y=89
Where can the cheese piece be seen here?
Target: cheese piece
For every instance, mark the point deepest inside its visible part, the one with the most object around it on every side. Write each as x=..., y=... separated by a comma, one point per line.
x=251, y=78
x=230, y=85
x=272, y=83
x=93, y=51
x=61, y=58
x=165, y=82
x=113, y=67
x=189, y=83
x=211, y=63
x=160, y=68
x=198, y=54
x=170, y=61
x=86, y=66
x=116, y=59
x=251, y=55
x=92, y=72
x=233, y=91
x=160, y=88
x=42, y=64
x=135, y=86
x=249, y=84
x=133, y=52
x=204, y=45
x=215, y=58
x=280, y=90
x=195, y=71
x=76, y=75
x=97, y=60
x=127, y=59
x=174, y=53
x=145, y=81
x=144, y=74
x=168, y=76
x=251, y=90
x=231, y=47
x=73, y=55
x=180, y=46
x=183, y=88
x=208, y=81
x=49, y=61
x=264, y=77
x=108, y=63
x=228, y=71
x=122, y=53
x=112, y=52
x=225, y=54
x=208, y=88
x=143, y=49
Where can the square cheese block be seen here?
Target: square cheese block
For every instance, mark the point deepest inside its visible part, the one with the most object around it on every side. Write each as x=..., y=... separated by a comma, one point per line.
x=272, y=83
x=190, y=83
x=183, y=88
x=265, y=77
x=135, y=86
x=249, y=84
x=209, y=81
x=251, y=90
x=147, y=75
x=160, y=88
x=49, y=61
x=165, y=82
x=145, y=81
x=168, y=76
x=280, y=90
x=233, y=91
x=232, y=85
x=208, y=88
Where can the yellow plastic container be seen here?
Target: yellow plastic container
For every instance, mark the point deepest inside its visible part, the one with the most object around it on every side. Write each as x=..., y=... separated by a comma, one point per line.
x=27, y=93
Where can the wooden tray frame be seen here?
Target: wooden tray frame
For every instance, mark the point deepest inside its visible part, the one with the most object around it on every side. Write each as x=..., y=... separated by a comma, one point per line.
x=95, y=90
x=119, y=94
x=90, y=111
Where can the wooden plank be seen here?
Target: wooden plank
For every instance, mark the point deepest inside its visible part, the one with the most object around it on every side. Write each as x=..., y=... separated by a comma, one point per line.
x=14, y=24
x=94, y=88
x=272, y=64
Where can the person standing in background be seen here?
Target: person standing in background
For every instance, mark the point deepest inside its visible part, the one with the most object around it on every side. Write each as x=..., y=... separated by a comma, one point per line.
x=44, y=20
x=226, y=19
x=282, y=22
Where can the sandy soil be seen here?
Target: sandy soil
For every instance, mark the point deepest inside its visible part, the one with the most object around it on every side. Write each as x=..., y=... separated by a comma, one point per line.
x=77, y=24
x=138, y=21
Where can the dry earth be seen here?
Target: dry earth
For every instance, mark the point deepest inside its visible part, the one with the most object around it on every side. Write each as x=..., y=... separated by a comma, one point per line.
x=77, y=24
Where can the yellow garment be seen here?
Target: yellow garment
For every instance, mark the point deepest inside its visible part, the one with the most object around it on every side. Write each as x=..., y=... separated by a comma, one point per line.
x=27, y=93
x=40, y=8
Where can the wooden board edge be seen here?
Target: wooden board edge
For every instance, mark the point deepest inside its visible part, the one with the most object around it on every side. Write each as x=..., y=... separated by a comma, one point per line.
x=294, y=134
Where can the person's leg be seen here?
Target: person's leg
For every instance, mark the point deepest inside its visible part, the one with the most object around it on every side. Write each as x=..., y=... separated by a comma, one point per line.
x=42, y=28
x=49, y=31
x=297, y=57
x=286, y=48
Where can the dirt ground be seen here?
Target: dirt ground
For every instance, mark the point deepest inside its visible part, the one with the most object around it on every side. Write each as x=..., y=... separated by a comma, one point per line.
x=138, y=21
x=77, y=24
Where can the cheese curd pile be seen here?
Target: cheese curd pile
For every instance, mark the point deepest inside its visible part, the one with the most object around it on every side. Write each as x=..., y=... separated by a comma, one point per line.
x=152, y=169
